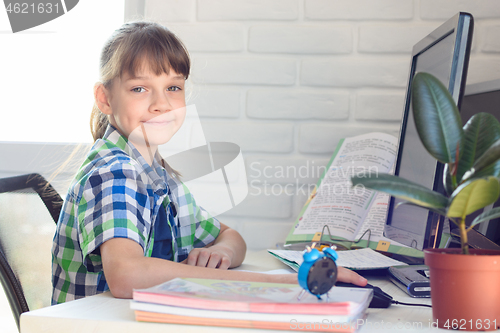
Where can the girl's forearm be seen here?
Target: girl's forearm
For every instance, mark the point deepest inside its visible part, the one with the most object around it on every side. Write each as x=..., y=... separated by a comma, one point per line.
x=232, y=240
x=127, y=269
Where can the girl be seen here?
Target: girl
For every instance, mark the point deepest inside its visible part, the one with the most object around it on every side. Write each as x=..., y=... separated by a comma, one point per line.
x=128, y=221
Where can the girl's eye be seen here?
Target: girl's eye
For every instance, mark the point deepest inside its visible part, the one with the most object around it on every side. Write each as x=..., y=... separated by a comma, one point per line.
x=174, y=88
x=138, y=89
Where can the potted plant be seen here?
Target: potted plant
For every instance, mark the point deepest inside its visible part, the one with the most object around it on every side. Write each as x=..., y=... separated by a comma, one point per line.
x=471, y=156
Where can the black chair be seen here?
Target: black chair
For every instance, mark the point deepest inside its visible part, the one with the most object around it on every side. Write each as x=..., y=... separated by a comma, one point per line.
x=18, y=200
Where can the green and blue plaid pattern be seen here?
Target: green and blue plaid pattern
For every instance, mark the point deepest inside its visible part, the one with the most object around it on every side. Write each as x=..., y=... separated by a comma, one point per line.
x=116, y=193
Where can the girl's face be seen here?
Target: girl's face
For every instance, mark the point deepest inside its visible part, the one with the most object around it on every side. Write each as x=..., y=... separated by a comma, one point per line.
x=147, y=108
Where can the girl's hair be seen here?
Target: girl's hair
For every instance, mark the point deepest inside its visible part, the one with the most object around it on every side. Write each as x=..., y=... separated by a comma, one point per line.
x=134, y=45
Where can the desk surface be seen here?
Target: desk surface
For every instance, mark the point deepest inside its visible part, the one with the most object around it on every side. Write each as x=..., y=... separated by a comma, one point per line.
x=103, y=313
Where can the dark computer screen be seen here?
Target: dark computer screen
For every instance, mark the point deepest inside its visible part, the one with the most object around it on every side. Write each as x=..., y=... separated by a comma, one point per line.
x=444, y=53
x=483, y=97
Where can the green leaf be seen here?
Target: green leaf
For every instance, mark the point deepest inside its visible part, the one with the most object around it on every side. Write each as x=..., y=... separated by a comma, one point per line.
x=481, y=132
x=437, y=118
x=473, y=195
x=486, y=216
x=403, y=189
x=488, y=158
x=491, y=170
x=447, y=182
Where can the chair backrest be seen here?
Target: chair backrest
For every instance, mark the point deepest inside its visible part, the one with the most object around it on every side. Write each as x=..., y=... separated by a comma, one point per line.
x=29, y=206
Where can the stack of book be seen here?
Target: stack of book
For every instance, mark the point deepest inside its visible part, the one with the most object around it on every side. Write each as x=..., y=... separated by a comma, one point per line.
x=250, y=305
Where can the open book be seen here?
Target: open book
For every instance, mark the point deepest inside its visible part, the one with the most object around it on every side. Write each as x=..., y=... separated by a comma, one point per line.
x=349, y=212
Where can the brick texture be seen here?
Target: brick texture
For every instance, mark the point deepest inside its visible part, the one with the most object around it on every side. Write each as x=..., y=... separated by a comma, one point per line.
x=297, y=104
x=265, y=234
x=347, y=72
x=244, y=70
x=391, y=38
x=288, y=171
x=444, y=9
x=252, y=136
x=323, y=138
x=167, y=11
x=379, y=106
x=212, y=10
x=210, y=37
x=483, y=68
x=300, y=39
x=491, y=41
x=265, y=201
x=216, y=102
x=358, y=9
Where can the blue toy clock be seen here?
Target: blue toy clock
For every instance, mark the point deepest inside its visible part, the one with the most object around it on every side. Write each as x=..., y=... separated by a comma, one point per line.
x=318, y=273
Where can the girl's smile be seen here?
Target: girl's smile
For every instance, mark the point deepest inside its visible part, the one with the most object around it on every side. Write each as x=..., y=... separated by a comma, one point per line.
x=160, y=120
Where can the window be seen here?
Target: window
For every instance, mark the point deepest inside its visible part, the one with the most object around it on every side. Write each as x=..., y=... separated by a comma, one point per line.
x=48, y=73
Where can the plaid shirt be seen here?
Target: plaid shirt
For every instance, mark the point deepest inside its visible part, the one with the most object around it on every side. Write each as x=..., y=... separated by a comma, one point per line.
x=117, y=194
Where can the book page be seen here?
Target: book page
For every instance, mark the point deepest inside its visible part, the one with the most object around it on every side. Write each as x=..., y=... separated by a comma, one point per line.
x=336, y=203
x=355, y=259
x=375, y=219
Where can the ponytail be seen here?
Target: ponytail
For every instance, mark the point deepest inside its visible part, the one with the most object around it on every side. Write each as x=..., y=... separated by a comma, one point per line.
x=172, y=172
x=98, y=123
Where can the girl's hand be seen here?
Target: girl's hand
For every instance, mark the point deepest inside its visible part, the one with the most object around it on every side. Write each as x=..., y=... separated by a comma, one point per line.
x=343, y=275
x=348, y=276
x=215, y=256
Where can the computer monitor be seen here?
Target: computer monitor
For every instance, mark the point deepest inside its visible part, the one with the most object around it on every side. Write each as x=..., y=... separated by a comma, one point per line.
x=444, y=53
x=483, y=97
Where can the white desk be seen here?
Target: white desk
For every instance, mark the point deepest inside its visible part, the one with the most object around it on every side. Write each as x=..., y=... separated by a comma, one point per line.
x=103, y=313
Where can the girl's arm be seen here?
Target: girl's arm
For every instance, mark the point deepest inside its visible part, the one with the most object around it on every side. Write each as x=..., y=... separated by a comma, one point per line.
x=126, y=268
x=227, y=251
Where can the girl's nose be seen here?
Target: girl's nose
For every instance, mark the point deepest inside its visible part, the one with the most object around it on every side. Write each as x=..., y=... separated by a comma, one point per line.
x=160, y=103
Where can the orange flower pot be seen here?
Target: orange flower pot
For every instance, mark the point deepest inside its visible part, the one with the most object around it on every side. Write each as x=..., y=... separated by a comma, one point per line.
x=465, y=289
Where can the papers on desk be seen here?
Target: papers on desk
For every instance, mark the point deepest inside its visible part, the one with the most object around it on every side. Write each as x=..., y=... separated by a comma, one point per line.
x=361, y=259
x=249, y=305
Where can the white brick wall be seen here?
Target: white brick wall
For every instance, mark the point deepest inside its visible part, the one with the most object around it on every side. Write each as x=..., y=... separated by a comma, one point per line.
x=286, y=79
x=379, y=105
x=216, y=102
x=285, y=170
x=491, y=42
x=261, y=195
x=323, y=138
x=211, y=37
x=359, y=9
x=390, y=37
x=295, y=103
x=217, y=10
x=171, y=10
x=443, y=9
x=351, y=72
x=244, y=70
x=264, y=233
x=484, y=67
x=252, y=136
x=291, y=38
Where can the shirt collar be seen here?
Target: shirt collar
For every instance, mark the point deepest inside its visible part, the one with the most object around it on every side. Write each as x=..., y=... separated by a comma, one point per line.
x=155, y=173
